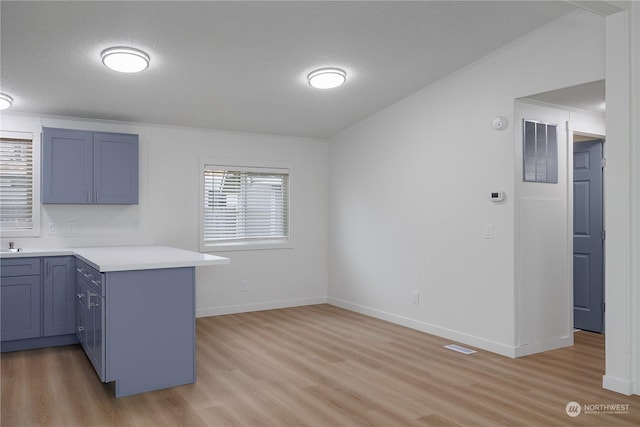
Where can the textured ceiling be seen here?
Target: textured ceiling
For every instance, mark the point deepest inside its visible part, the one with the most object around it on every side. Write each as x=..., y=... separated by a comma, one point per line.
x=241, y=66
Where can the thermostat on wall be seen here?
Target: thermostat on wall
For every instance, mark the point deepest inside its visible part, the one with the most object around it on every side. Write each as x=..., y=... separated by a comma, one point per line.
x=497, y=196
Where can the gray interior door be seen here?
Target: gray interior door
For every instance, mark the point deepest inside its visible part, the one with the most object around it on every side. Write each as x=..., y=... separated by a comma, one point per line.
x=588, y=236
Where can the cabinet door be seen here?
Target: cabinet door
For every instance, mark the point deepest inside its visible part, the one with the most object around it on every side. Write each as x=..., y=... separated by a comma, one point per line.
x=81, y=311
x=67, y=166
x=95, y=335
x=58, y=296
x=20, y=305
x=115, y=168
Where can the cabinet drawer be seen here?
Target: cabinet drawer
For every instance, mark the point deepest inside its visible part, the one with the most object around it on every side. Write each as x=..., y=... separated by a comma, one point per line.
x=10, y=267
x=90, y=275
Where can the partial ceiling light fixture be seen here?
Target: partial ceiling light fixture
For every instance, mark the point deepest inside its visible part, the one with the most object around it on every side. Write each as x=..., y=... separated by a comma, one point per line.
x=125, y=59
x=5, y=101
x=327, y=78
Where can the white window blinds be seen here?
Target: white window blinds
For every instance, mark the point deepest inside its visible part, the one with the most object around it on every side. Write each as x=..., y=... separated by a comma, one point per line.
x=245, y=204
x=16, y=184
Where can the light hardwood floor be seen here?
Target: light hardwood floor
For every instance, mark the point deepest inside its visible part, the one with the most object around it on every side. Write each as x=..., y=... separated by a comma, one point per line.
x=320, y=366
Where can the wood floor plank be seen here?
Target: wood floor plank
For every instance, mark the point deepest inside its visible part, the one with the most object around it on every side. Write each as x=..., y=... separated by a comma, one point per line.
x=320, y=366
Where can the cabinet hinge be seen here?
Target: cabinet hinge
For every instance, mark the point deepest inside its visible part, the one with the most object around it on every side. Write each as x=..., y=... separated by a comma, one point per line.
x=603, y=307
x=603, y=234
x=603, y=163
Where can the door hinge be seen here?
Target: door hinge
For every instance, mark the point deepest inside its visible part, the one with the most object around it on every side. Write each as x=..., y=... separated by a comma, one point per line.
x=603, y=163
x=603, y=234
x=603, y=307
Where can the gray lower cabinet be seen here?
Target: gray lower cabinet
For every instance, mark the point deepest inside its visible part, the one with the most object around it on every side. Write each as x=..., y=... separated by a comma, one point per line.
x=58, y=291
x=90, y=313
x=83, y=167
x=20, y=296
x=138, y=327
x=37, y=302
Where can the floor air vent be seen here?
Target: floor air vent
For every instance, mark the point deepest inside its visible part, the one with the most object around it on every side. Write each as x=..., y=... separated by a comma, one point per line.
x=459, y=349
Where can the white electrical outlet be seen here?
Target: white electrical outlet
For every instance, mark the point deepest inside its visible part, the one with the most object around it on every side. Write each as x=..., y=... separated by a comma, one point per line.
x=488, y=231
x=71, y=227
x=415, y=297
x=53, y=228
x=243, y=286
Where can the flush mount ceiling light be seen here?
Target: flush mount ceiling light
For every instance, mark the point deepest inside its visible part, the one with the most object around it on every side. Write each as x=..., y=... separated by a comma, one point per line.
x=125, y=59
x=5, y=101
x=327, y=78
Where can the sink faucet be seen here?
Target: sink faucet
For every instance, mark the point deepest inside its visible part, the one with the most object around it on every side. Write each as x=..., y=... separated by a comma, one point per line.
x=13, y=249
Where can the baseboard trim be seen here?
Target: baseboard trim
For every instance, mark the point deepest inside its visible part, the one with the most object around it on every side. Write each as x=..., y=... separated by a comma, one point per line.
x=539, y=347
x=268, y=305
x=619, y=385
x=39, y=342
x=457, y=336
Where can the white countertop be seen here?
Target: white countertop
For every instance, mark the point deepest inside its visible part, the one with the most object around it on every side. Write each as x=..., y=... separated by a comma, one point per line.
x=121, y=258
x=25, y=253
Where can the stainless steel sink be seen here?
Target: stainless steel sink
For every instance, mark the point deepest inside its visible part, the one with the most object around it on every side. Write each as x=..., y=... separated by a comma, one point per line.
x=7, y=251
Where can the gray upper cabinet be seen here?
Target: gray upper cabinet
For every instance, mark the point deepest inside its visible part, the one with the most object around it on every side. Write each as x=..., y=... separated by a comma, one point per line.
x=67, y=166
x=115, y=168
x=82, y=167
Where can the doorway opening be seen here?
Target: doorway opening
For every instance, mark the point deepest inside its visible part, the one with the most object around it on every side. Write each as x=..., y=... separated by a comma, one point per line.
x=588, y=233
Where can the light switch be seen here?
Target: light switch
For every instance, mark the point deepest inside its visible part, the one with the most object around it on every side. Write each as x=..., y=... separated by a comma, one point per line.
x=488, y=231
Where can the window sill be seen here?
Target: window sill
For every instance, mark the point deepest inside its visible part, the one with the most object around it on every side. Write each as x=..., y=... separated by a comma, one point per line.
x=258, y=245
x=19, y=233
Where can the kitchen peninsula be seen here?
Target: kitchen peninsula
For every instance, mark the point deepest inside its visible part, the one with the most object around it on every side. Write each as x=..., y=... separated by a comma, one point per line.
x=132, y=308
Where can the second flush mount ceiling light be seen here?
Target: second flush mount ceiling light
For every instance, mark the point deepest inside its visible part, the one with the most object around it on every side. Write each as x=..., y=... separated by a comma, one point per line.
x=5, y=101
x=125, y=59
x=327, y=78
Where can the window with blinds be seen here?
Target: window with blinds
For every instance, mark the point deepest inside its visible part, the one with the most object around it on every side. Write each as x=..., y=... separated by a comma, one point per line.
x=16, y=184
x=245, y=204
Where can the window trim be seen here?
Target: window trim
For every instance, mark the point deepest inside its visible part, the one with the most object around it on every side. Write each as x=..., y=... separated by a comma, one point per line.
x=35, y=208
x=286, y=243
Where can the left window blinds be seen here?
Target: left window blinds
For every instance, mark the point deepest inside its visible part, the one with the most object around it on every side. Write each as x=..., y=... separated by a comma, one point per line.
x=16, y=184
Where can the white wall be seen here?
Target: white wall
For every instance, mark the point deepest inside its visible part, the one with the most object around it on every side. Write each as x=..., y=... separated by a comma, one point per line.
x=275, y=278
x=634, y=36
x=622, y=202
x=542, y=243
x=169, y=207
x=410, y=191
x=635, y=179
